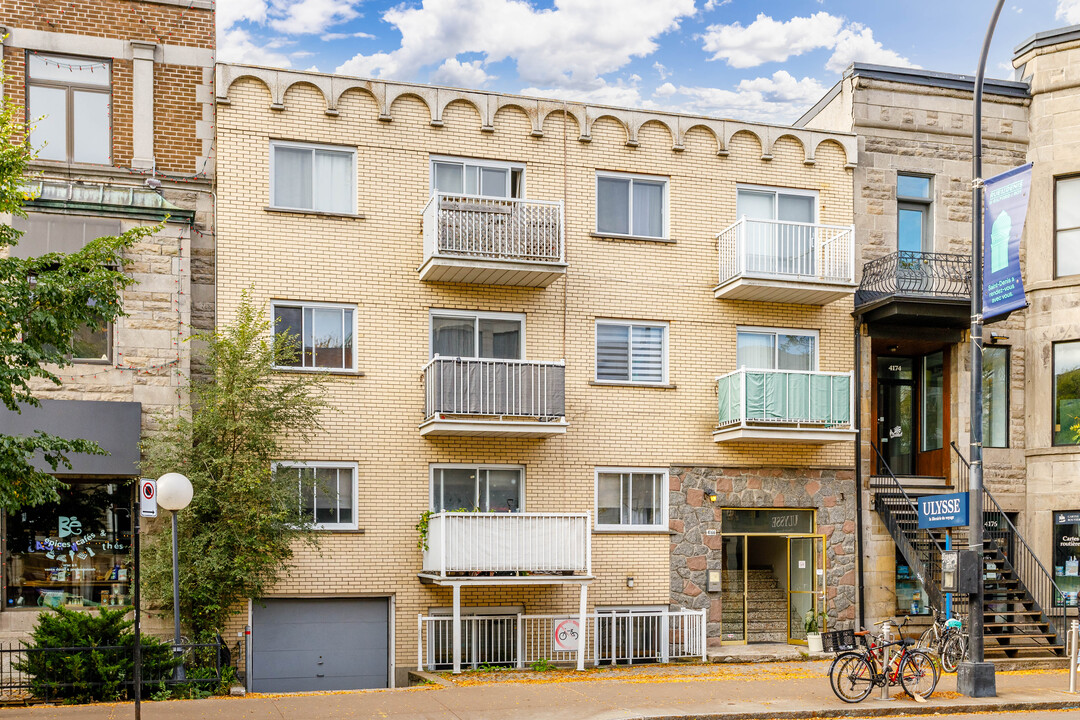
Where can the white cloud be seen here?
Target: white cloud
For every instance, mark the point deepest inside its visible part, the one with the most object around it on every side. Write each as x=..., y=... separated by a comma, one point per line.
x=238, y=46
x=327, y=37
x=619, y=93
x=1069, y=11
x=568, y=46
x=462, y=74
x=309, y=17
x=768, y=40
x=230, y=13
x=780, y=98
x=661, y=70
x=713, y=4
x=665, y=90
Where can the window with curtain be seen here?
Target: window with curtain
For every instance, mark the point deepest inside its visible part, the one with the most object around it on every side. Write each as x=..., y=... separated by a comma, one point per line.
x=933, y=401
x=1066, y=392
x=322, y=335
x=631, y=499
x=628, y=205
x=479, y=335
x=773, y=240
x=1066, y=226
x=914, y=202
x=308, y=177
x=767, y=349
x=631, y=352
x=478, y=488
x=995, y=388
x=477, y=178
x=68, y=108
x=327, y=493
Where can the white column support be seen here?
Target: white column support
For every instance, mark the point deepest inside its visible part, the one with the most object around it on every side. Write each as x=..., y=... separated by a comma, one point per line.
x=420, y=641
x=665, y=640
x=142, y=101
x=457, y=628
x=520, y=642
x=582, y=628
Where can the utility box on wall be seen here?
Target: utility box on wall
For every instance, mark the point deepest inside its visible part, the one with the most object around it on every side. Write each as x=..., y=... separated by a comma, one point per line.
x=960, y=571
x=712, y=581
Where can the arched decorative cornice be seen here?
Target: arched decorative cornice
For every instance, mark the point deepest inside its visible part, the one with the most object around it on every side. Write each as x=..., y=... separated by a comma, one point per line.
x=487, y=104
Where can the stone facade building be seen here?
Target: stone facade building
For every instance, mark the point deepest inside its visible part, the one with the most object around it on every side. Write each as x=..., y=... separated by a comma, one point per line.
x=517, y=309
x=118, y=102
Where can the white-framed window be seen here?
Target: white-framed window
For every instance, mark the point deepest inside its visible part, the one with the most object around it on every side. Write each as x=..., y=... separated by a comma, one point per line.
x=467, y=334
x=319, y=178
x=631, y=498
x=629, y=351
x=326, y=492
x=760, y=348
x=479, y=488
x=761, y=202
x=68, y=107
x=477, y=178
x=324, y=334
x=631, y=205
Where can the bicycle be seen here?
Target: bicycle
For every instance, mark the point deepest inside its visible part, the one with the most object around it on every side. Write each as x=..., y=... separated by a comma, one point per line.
x=946, y=639
x=855, y=673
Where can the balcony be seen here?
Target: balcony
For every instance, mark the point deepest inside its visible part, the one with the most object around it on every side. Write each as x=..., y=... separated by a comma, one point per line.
x=786, y=262
x=493, y=241
x=494, y=398
x=556, y=544
x=784, y=406
x=916, y=288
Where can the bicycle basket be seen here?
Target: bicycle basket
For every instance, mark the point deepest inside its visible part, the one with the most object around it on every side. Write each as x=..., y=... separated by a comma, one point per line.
x=838, y=641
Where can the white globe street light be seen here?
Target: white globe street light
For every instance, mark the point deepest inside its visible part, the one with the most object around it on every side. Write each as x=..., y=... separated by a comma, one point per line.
x=174, y=493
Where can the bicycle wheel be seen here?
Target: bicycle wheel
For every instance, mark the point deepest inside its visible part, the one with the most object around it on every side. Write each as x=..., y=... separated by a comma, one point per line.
x=926, y=640
x=918, y=676
x=953, y=652
x=851, y=677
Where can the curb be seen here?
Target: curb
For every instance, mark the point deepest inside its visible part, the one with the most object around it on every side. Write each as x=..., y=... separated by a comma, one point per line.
x=856, y=711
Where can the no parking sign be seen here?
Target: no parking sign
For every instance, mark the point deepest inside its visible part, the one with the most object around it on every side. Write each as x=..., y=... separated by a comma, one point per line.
x=148, y=497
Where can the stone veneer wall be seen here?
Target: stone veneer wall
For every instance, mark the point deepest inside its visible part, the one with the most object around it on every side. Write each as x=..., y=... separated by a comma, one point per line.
x=830, y=491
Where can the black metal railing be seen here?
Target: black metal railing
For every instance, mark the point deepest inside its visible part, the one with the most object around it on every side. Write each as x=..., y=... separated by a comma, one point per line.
x=1019, y=557
x=81, y=674
x=900, y=514
x=915, y=274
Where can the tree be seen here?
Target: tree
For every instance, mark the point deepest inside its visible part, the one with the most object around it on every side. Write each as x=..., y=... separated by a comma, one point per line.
x=44, y=301
x=238, y=534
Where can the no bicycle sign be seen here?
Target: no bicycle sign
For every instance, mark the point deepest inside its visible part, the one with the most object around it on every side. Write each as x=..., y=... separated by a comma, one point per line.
x=566, y=634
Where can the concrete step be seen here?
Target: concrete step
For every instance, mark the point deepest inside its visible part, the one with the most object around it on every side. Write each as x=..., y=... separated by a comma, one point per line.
x=767, y=636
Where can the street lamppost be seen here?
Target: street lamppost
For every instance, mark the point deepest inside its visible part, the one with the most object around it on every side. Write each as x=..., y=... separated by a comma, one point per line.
x=174, y=494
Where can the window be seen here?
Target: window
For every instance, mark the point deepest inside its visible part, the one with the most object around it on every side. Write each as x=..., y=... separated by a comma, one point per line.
x=327, y=493
x=68, y=108
x=324, y=335
x=90, y=344
x=631, y=498
x=995, y=388
x=1066, y=392
x=914, y=227
x=769, y=349
x=785, y=205
x=321, y=178
x=1066, y=226
x=479, y=488
x=911, y=597
x=1067, y=557
x=933, y=401
x=481, y=178
x=631, y=205
x=477, y=335
x=631, y=352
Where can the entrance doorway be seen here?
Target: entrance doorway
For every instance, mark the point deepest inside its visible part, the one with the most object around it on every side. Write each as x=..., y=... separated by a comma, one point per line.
x=896, y=414
x=773, y=575
x=911, y=410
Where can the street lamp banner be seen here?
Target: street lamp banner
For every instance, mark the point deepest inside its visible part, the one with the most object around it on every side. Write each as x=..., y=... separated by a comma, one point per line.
x=938, y=511
x=1006, y=204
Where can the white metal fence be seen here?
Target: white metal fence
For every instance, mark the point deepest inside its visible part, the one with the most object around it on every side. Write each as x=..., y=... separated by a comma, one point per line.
x=508, y=542
x=792, y=397
x=520, y=640
x=493, y=228
x=471, y=386
x=787, y=250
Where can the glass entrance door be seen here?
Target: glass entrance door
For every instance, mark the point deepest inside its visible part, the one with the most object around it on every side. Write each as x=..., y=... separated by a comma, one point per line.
x=733, y=595
x=806, y=584
x=896, y=414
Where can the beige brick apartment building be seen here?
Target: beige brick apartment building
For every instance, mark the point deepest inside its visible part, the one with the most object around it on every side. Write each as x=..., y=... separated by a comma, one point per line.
x=623, y=338
x=115, y=92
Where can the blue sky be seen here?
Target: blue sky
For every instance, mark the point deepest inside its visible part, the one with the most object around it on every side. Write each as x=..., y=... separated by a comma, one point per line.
x=764, y=60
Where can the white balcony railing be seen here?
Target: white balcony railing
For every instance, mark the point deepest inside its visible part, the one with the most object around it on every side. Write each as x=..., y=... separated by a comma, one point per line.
x=460, y=542
x=508, y=229
x=476, y=387
x=780, y=250
x=785, y=398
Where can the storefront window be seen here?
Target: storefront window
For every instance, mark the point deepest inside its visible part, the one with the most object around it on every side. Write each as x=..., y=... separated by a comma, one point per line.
x=995, y=390
x=1066, y=392
x=784, y=521
x=75, y=552
x=1067, y=556
x=910, y=594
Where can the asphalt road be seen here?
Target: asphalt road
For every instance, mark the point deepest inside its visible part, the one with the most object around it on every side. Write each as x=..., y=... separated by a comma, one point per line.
x=995, y=714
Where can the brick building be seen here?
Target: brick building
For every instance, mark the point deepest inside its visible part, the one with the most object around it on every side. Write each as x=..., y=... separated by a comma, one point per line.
x=622, y=337
x=117, y=97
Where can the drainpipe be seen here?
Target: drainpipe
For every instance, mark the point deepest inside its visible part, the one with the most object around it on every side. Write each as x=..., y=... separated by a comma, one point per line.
x=858, y=479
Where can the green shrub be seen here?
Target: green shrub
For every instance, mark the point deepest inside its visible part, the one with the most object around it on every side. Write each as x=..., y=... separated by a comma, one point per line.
x=101, y=672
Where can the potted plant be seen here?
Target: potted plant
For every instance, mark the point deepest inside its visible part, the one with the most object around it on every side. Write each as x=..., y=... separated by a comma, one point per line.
x=813, y=629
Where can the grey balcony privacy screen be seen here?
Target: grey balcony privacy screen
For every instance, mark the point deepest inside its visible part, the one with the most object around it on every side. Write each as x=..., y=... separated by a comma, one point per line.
x=469, y=386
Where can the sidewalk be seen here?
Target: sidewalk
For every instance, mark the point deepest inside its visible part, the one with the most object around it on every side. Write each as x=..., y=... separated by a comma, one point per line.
x=778, y=690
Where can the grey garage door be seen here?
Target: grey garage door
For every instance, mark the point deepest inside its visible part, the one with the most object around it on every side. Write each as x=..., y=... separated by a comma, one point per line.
x=319, y=644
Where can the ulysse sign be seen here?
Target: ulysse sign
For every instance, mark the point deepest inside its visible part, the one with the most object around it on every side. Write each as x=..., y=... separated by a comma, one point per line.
x=936, y=511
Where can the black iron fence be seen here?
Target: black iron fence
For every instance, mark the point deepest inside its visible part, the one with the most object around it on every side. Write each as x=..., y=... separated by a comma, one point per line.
x=83, y=674
x=915, y=274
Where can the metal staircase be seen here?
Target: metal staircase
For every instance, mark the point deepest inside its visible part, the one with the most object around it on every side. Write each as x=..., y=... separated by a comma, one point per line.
x=1018, y=593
